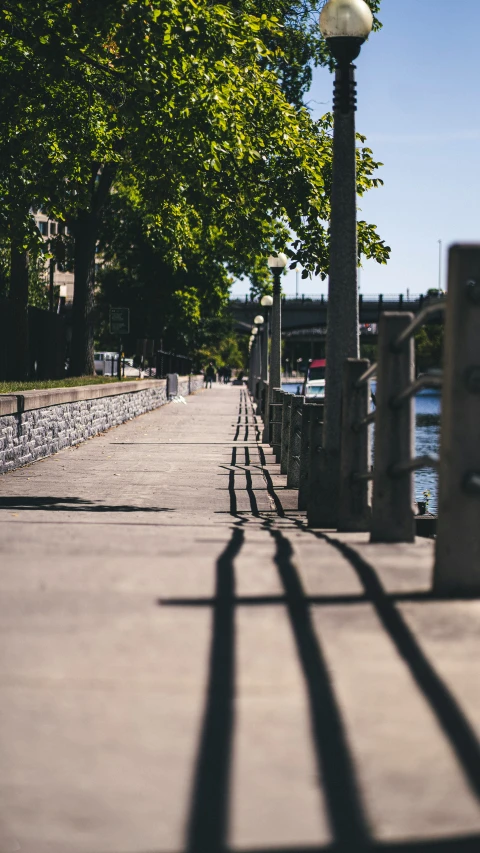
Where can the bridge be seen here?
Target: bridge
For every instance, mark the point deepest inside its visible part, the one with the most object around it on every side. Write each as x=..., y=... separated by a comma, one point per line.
x=310, y=312
x=304, y=322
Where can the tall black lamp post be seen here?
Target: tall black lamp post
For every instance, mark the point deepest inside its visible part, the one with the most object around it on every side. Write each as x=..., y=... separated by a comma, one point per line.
x=266, y=302
x=259, y=320
x=277, y=264
x=345, y=24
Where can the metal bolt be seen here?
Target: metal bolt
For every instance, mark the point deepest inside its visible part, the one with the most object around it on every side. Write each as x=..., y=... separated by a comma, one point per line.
x=472, y=379
x=471, y=483
x=473, y=291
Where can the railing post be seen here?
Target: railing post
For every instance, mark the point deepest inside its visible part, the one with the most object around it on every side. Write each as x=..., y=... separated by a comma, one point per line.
x=293, y=465
x=308, y=413
x=457, y=560
x=354, y=511
x=266, y=414
x=316, y=469
x=392, y=504
x=287, y=400
x=276, y=422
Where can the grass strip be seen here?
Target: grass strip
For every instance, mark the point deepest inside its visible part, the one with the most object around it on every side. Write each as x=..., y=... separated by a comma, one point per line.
x=71, y=382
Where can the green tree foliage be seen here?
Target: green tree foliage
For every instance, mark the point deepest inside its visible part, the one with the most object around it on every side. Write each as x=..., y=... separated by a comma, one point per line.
x=429, y=347
x=191, y=113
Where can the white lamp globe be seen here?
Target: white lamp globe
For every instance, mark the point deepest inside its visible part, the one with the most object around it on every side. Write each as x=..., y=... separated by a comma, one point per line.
x=258, y=320
x=278, y=262
x=346, y=19
x=254, y=331
x=266, y=301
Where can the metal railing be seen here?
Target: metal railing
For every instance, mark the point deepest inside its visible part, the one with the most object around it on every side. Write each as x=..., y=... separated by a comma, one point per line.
x=170, y=362
x=378, y=497
x=389, y=512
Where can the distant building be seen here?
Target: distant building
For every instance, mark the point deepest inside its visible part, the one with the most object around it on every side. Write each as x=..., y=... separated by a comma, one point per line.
x=50, y=228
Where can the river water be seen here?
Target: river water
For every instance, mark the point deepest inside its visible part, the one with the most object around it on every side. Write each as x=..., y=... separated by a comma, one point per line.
x=427, y=440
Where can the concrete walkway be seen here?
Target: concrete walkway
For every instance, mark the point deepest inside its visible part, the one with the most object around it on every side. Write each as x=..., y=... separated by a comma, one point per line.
x=184, y=667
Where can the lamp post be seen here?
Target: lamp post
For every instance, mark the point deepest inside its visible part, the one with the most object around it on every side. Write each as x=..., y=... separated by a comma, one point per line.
x=345, y=24
x=252, y=373
x=277, y=265
x=258, y=322
x=266, y=302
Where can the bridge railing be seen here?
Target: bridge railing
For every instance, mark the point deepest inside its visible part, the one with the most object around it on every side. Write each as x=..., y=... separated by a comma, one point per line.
x=378, y=497
x=320, y=297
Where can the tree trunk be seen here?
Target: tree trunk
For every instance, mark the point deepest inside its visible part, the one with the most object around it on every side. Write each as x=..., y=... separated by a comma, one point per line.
x=85, y=233
x=19, y=366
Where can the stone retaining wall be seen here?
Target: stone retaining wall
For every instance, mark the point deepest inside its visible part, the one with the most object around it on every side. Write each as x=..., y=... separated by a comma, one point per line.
x=36, y=424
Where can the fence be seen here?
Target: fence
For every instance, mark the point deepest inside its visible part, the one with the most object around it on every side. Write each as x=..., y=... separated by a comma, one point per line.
x=378, y=497
x=41, y=350
x=170, y=362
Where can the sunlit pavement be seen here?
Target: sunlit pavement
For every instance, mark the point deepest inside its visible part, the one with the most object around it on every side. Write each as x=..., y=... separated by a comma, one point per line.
x=185, y=667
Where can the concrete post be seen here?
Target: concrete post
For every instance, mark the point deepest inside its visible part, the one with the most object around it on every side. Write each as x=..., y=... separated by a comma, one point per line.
x=342, y=325
x=354, y=511
x=293, y=463
x=308, y=413
x=266, y=415
x=276, y=408
x=392, y=503
x=315, y=466
x=286, y=411
x=457, y=560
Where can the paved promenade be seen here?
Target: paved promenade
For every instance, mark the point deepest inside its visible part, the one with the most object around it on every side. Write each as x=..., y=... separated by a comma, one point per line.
x=185, y=667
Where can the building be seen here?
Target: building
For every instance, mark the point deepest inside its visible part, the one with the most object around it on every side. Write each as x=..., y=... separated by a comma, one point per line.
x=61, y=277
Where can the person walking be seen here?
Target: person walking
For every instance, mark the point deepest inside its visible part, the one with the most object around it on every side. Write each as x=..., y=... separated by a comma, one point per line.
x=209, y=375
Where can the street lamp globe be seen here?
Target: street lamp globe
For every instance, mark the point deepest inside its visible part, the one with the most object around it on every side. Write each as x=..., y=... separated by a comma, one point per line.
x=266, y=301
x=258, y=320
x=279, y=261
x=254, y=331
x=346, y=19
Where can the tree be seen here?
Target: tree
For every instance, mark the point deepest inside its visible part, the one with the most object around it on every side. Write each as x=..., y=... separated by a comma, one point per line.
x=188, y=106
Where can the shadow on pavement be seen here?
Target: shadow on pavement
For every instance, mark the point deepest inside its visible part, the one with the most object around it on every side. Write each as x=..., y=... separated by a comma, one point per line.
x=57, y=504
x=208, y=820
x=207, y=825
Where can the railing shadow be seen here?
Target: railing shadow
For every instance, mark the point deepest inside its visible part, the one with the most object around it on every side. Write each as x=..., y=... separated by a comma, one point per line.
x=207, y=830
x=446, y=709
x=69, y=504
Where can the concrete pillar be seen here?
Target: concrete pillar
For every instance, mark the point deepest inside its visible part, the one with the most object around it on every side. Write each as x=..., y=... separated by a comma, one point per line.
x=286, y=411
x=392, y=502
x=457, y=559
x=308, y=413
x=294, y=446
x=354, y=512
x=276, y=407
x=315, y=467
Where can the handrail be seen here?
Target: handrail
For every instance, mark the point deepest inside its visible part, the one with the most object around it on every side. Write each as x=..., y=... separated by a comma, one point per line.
x=418, y=321
x=366, y=376
x=387, y=512
x=427, y=380
x=386, y=509
x=427, y=460
x=365, y=422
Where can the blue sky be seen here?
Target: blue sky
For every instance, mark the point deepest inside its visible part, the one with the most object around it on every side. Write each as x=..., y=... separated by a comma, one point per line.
x=419, y=107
